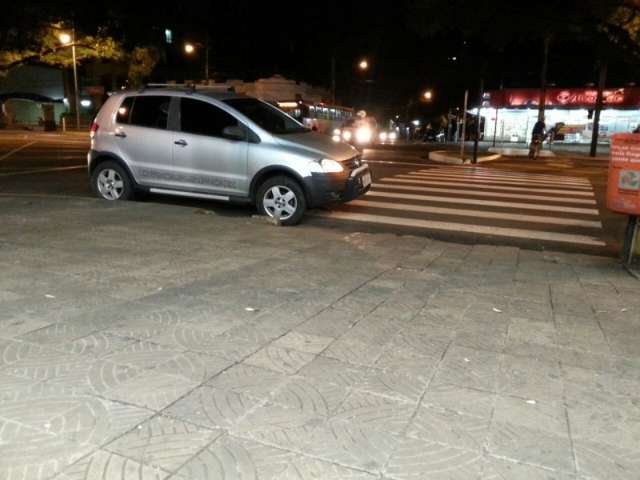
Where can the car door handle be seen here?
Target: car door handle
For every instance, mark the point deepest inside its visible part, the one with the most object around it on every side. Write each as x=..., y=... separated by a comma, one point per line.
x=182, y=143
x=120, y=134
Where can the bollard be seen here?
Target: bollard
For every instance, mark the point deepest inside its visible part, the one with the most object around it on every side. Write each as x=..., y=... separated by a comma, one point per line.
x=631, y=246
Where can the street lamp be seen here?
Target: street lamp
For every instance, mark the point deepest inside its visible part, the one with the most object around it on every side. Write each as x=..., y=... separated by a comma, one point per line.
x=363, y=65
x=427, y=95
x=190, y=48
x=67, y=40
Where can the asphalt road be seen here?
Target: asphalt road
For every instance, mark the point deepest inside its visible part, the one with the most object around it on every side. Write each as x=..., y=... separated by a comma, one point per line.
x=553, y=203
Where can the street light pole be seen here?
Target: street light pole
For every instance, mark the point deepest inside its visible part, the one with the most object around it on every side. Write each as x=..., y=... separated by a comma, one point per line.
x=464, y=124
x=206, y=58
x=75, y=78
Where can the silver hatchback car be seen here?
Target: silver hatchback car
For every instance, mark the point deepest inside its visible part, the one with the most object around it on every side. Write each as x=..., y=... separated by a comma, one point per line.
x=220, y=146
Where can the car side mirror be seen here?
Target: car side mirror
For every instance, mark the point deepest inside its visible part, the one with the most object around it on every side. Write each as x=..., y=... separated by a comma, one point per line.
x=234, y=132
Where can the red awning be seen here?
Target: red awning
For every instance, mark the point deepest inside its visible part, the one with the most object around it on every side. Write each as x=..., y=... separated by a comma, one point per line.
x=562, y=98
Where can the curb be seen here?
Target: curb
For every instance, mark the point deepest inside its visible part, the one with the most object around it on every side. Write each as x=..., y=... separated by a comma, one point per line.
x=444, y=156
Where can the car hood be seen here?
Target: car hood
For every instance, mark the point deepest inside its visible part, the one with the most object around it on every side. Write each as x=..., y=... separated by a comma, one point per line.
x=319, y=144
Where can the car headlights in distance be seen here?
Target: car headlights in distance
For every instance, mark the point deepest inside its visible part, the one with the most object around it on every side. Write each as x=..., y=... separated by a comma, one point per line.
x=363, y=135
x=383, y=136
x=336, y=131
x=392, y=136
x=346, y=135
x=326, y=165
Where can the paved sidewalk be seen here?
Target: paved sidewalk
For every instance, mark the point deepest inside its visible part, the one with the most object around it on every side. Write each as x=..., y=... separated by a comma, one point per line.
x=147, y=341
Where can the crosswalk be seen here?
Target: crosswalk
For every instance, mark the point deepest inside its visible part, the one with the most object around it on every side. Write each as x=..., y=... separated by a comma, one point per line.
x=481, y=201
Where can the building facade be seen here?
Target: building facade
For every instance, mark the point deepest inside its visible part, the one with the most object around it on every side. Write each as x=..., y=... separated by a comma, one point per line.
x=510, y=114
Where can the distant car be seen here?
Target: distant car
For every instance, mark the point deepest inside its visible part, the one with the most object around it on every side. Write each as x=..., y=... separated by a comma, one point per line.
x=219, y=146
x=360, y=132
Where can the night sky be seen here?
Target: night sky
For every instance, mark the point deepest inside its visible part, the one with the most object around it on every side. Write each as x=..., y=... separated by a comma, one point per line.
x=250, y=40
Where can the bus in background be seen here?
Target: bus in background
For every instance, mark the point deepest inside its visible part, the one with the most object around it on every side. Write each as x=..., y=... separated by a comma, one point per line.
x=321, y=117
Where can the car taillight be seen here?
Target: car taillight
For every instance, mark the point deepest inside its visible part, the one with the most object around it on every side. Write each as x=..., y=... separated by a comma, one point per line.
x=94, y=129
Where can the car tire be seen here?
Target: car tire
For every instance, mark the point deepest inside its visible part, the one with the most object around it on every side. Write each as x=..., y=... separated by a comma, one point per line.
x=110, y=181
x=281, y=197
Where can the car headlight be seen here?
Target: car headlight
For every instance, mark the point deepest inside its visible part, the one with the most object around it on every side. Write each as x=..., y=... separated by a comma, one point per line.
x=346, y=135
x=336, y=131
x=393, y=135
x=363, y=135
x=326, y=165
x=383, y=136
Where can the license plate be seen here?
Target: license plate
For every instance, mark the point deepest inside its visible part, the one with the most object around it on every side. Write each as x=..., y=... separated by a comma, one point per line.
x=366, y=180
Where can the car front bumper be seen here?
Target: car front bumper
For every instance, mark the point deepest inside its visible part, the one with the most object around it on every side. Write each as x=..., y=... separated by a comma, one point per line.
x=325, y=189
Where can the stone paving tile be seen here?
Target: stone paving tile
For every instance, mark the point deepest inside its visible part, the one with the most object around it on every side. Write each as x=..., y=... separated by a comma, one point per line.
x=163, y=442
x=532, y=433
x=278, y=426
x=309, y=396
x=280, y=360
x=605, y=462
x=458, y=399
x=81, y=419
x=469, y=367
x=530, y=378
x=415, y=459
x=355, y=352
x=350, y=445
x=239, y=459
x=333, y=371
x=38, y=456
x=104, y=465
x=303, y=342
x=212, y=407
x=250, y=381
x=450, y=428
x=613, y=421
x=395, y=385
x=405, y=361
x=151, y=390
x=500, y=469
x=374, y=412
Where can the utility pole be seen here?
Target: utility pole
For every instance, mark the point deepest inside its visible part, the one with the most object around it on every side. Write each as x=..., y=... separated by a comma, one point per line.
x=75, y=78
x=543, y=78
x=333, y=79
x=596, y=114
x=477, y=139
x=206, y=57
x=464, y=124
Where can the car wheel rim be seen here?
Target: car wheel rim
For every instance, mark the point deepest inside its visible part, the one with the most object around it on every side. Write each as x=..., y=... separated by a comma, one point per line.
x=280, y=202
x=110, y=184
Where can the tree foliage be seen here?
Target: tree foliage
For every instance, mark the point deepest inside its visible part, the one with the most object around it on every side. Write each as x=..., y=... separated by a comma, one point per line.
x=142, y=61
x=46, y=48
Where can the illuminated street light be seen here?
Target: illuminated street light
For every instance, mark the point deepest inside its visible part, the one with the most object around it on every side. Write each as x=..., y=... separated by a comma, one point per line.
x=190, y=48
x=363, y=65
x=428, y=95
x=65, y=38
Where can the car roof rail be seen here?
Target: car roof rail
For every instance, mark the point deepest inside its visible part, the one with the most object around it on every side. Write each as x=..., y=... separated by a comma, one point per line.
x=191, y=87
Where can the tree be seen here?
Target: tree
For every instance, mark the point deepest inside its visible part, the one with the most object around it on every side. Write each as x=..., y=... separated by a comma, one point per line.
x=142, y=61
x=47, y=49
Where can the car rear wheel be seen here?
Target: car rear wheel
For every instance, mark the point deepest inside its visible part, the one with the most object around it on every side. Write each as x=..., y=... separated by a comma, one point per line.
x=282, y=198
x=111, y=182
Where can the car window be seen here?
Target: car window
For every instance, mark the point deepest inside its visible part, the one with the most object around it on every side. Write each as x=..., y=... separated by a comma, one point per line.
x=124, y=111
x=203, y=118
x=268, y=117
x=150, y=111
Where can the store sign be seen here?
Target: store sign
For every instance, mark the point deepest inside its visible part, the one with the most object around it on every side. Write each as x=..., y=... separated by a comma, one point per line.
x=557, y=97
x=623, y=187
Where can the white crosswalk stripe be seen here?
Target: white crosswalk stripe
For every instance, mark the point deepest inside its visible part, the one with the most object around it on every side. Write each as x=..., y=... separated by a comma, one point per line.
x=480, y=200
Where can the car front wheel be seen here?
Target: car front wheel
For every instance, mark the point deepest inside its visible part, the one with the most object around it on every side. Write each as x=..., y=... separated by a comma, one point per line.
x=281, y=198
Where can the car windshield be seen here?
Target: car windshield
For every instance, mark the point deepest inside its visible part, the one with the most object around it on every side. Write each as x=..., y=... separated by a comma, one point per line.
x=267, y=116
